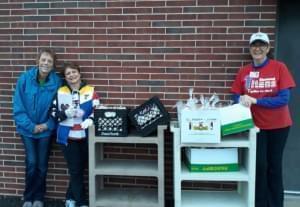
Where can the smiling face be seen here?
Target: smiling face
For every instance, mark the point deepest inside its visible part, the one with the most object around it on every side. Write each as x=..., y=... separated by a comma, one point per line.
x=259, y=51
x=45, y=64
x=72, y=76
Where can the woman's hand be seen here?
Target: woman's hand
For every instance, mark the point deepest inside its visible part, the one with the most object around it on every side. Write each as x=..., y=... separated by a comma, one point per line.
x=247, y=100
x=70, y=112
x=39, y=128
x=86, y=123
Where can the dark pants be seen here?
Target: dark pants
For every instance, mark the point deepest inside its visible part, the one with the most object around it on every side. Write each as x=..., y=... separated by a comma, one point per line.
x=269, y=184
x=76, y=155
x=36, y=160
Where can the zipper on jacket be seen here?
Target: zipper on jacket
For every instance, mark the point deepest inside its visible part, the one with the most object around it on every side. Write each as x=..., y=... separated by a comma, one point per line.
x=34, y=102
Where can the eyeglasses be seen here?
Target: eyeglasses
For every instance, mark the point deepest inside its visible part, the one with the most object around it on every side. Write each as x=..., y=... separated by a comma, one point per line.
x=259, y=46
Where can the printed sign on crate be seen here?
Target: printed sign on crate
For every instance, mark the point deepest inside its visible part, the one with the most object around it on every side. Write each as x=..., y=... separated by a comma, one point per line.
x=212, y=159
x=111, y=121
x=200, y=126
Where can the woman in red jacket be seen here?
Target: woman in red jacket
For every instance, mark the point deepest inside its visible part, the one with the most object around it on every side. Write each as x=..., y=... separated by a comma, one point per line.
x=264, y=86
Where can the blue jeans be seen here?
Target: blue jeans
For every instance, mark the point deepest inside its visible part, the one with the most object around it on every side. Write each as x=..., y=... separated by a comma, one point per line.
x=37, y=154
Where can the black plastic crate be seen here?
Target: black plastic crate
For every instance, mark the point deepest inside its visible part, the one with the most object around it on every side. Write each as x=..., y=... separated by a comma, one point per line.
x=111, y=122
x=148, y=116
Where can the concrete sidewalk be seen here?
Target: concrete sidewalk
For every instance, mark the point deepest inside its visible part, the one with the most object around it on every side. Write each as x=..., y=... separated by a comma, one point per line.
x=10, y=201
x=13, y=201
x=291, y=201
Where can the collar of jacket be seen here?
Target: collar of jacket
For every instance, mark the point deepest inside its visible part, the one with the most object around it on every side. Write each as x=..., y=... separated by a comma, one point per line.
x=81, y=85
x=34, y=72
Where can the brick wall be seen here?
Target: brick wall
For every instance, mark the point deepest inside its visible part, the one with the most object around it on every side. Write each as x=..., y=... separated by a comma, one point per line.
x=130, y=50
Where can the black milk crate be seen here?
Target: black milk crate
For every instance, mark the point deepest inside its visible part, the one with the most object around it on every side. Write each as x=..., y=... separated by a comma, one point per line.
x=111, y=121
x=148, y=116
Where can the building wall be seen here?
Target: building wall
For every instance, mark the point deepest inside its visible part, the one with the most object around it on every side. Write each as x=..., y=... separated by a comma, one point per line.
x=130, y=50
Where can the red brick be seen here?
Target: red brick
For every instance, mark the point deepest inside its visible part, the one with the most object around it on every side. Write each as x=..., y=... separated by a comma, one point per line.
x=79, y=11
x=244, y=2
x=121, y=4
x=108, y=24
x=64, y=18
x=51, y=37
x=180, y=43
x=137, y=10
x=78, y=37
x=85, y=18
x=137, y=50
x=182, y=3
x=167, y=10
x=135, y=63
x=137, y=24
x=151, y=17
x=180, y=57
x=181, y=16
x=51, y=24
x=121, y=31
x=229, y=9
x=121, y=17
x=150, y=3
x=108, y=10
x=79, y=24
x=23, y=12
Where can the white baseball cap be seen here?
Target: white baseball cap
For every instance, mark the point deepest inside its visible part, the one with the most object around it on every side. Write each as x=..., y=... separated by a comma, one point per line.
x=259, y=36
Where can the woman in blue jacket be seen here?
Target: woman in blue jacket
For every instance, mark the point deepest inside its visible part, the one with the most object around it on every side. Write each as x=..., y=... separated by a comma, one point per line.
x=32, y=100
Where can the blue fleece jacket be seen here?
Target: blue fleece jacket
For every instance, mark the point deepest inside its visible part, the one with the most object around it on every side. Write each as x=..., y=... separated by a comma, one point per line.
x=32, y=101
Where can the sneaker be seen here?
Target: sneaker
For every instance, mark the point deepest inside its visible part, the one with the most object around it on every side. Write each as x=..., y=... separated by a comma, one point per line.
x=70, y=203
x=27, y=204
x=38, y=204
